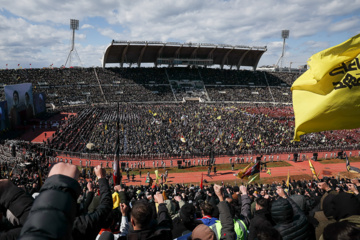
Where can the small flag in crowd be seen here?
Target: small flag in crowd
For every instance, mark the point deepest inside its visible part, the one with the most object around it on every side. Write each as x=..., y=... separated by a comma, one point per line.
x=250, y=171
x=253, y=178
x=201, y=182
x=288, y=180
x=350, y=168
x=313, y=171
x=327, y=96
x=268, y=171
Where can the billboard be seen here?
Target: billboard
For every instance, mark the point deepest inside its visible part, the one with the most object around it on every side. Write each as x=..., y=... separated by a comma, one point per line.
x=4, y=120
x=39, y=102
x=20, y=103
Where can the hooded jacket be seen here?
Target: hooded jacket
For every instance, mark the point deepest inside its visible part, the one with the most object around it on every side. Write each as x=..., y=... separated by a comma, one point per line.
x=290, y=221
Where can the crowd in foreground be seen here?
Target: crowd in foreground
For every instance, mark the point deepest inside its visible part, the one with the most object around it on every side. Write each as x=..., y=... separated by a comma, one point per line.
x=66, y=205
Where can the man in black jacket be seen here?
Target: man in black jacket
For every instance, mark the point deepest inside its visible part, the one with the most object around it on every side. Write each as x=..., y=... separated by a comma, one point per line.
x=16, y=203
x=52, y=215
x=87, y=226
x=262, y=217
x=143, y=225
x=54, y=211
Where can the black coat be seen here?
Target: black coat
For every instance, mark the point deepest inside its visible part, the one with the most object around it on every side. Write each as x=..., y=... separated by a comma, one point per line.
x=262, y=218
x=18, y=203
x=181, y=228
x=88, y=226
x=156, y=231
x=53, y=213
x=290, y=221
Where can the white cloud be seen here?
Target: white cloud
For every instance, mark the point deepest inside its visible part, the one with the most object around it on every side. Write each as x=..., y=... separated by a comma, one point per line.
x=30, y=28
x=85, y=26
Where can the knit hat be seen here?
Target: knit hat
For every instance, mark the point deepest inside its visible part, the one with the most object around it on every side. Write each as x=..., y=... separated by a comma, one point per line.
x=203, y=232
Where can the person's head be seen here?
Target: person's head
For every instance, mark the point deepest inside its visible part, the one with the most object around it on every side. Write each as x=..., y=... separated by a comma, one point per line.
x=268, y=233
x=261, y=203
x=342, y=230
x=206, y=209
x=187, y=212
x=15, y=98
x=141, y=215
x=202, y=232
x=345, y=205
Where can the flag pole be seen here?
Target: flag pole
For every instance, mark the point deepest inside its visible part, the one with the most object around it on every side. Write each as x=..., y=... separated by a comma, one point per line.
x=116, y=167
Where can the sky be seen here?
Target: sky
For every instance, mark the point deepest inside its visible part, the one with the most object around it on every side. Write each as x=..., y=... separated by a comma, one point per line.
x=37, y=33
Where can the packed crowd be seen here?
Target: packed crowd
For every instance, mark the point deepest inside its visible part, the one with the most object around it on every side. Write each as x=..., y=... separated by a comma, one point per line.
x=69, y=205
x=193, y=130
x=244, y=94
x=97, y=85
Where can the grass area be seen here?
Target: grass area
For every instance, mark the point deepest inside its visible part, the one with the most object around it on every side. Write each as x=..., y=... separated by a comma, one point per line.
x=349, y=175
x=336, y=160
x=260, y=181
x=219, y=167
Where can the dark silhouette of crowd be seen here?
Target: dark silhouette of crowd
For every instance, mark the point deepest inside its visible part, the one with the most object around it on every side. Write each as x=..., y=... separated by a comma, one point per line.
x=58, y=202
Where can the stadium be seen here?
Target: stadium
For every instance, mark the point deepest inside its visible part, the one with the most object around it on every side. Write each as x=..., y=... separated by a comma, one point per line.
x=176, y=111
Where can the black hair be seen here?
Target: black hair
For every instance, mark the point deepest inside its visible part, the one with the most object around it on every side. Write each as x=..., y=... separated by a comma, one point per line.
x=342, y=230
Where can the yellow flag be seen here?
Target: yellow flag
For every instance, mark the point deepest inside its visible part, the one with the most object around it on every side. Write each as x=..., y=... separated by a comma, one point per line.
x=253, y=178
x=218, y=118
x=240, y=141
x=105, y=126
x=156, y=176
x=327, y=96
x=288, y=179
x=268, y=172
x=315, y=176
x=242, y=171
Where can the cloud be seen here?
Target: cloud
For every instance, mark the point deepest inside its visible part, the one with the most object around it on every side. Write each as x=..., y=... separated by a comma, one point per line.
x=85, y=26
x=32, y=27
x=346, y=24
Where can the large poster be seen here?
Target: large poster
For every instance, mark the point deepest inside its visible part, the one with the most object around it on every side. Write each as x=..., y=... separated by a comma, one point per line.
x=39, y=102
x=20, y=103
x=4, y=121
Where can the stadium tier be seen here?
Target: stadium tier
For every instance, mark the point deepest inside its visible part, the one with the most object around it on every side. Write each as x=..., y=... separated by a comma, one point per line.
x=97, y=85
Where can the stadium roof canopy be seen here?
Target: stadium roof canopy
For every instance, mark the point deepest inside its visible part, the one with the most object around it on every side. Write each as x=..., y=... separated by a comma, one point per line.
x=174, y=54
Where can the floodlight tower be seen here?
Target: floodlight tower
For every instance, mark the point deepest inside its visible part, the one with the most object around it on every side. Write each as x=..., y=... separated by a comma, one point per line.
x=284, y=35
x=74, y=25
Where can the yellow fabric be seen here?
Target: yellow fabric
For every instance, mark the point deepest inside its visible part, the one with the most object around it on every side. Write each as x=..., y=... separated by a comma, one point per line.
x=253, y=178
x=242, y=171
x=116, y=200
x=157, y=177
x=288, y=179
x=313, y=171
x=327, y=96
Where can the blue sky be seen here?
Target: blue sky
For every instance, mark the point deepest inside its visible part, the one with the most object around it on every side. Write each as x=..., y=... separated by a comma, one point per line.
x=37, y=32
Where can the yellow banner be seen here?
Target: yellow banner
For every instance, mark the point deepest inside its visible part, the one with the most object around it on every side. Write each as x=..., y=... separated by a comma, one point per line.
x=288, y=179
x=315, y=176
x=327, y=96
